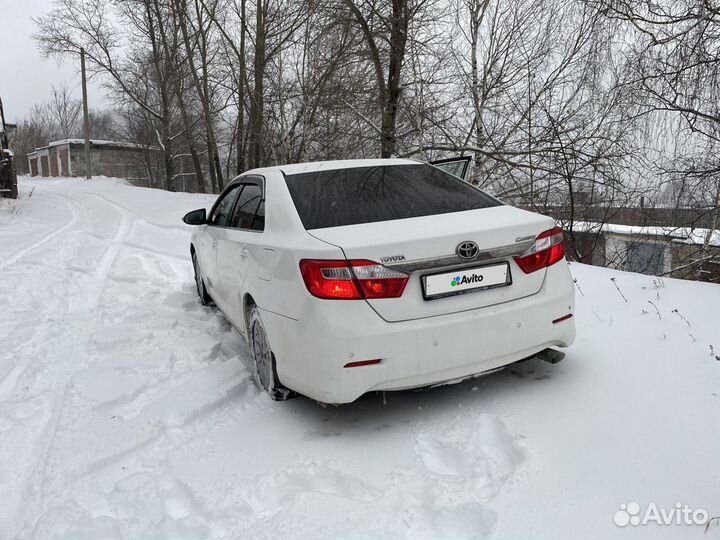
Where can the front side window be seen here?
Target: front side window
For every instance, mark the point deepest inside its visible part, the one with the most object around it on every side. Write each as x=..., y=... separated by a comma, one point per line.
x=249, y=211
x=383, y=193
x=223, y=208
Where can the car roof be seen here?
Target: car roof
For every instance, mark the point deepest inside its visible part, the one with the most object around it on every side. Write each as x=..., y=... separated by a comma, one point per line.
x=313, y=166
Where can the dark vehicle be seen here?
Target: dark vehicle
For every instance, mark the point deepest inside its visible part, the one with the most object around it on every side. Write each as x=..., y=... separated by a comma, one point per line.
x=8, y=174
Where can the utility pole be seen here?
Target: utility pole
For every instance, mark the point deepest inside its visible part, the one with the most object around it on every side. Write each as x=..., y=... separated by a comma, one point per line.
x=86, y=117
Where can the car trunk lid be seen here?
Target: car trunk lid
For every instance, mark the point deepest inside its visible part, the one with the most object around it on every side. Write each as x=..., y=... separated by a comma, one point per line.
x=424, y=246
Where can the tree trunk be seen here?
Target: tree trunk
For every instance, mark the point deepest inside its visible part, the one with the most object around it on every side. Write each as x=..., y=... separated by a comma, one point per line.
x=388, y=92
x=165, y=132
x=166, y=137
x=477, y=14
x=398, y=41
x=168, y=161
x=256, y=102
x=240, y=145
x=177, y=87
x=213, y=153
x=181, y=10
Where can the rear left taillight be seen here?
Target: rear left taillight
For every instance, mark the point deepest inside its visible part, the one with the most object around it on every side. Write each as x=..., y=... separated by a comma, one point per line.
x=351, y=280
x=549, y=248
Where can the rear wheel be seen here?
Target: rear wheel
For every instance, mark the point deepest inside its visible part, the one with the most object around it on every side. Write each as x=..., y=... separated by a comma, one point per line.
x=205, y=299
x=264, y=365
x=8, y=178
x=14, y=187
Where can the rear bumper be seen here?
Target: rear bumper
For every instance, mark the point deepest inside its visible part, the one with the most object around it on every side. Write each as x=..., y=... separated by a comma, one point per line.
x=312, y=351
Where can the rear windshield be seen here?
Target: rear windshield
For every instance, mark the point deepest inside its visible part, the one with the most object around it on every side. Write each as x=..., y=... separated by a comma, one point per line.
x=370, y=194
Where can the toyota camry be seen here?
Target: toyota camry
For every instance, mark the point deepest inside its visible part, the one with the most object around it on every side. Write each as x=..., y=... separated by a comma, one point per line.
x=347, y=277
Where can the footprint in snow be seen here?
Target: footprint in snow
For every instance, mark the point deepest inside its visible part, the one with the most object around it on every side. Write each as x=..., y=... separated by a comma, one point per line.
x=272, y=493
x=482, y=454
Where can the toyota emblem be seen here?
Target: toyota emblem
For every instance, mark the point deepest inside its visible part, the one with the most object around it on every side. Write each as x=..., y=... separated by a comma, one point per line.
x=467, y=250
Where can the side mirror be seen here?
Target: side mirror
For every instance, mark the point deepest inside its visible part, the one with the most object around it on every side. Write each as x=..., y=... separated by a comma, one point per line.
x=196, y=217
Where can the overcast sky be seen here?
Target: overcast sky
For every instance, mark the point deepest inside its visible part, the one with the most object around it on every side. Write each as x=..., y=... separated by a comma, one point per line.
x=25, y=77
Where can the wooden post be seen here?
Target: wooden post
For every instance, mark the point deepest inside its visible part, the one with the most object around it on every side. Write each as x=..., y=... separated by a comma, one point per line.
x=86, y=117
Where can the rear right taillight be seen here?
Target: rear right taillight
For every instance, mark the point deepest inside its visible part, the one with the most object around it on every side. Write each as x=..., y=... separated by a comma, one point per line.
x=549, y=248
x=351, y=280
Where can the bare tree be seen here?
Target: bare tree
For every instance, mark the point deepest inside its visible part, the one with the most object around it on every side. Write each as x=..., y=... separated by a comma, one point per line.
x=123, y=45
x=196, y=38
x=676, y=84
x=65, y=112
x=386, y=36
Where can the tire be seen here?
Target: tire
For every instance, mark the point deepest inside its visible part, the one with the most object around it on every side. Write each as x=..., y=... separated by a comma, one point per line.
x=264, y=364
x=8, y=179
x=205, y=299
x=14, y=187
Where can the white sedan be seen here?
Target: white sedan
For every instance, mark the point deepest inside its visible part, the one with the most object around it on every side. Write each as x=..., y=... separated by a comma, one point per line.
x=354, y=276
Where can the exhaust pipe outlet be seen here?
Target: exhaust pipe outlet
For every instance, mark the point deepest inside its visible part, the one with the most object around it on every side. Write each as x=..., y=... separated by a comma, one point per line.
x=551, y=356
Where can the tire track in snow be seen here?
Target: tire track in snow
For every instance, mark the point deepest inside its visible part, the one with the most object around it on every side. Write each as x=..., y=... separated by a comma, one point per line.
x=108, y=259
x=8, y=380
x=137, y=217
x=80, y=348
x=77, y=309
x=160, y=252
x=32, y=481
x=74, y=212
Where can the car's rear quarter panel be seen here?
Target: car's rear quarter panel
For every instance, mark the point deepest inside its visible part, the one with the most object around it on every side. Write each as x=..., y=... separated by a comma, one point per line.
x=274, y=280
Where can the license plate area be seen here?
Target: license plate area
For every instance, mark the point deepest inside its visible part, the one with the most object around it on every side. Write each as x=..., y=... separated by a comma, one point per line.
x=466, y=280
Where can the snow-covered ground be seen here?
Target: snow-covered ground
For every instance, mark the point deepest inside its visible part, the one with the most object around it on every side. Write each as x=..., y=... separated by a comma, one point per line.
x=126, y=409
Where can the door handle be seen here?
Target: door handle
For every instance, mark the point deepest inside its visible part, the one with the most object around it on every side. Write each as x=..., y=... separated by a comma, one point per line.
x=244, y=253
x=214, y=243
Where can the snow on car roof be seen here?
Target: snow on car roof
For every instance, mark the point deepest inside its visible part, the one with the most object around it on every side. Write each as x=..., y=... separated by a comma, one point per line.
x=299, y=168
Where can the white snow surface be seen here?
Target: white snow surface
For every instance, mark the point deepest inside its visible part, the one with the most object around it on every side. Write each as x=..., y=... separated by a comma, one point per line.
x=127, y=410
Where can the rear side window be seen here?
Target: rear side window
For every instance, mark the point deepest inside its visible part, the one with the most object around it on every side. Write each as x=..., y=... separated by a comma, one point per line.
x=249, y=211
x=384, y=193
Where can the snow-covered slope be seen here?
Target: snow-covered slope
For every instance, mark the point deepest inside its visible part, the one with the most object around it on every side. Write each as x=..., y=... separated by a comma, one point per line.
x=126, y=409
